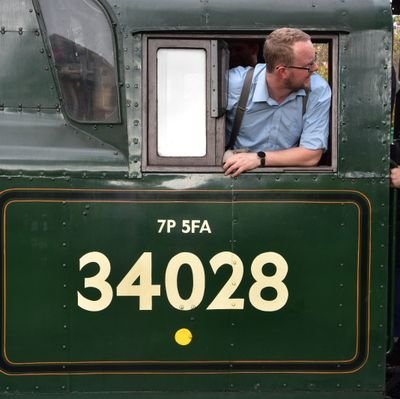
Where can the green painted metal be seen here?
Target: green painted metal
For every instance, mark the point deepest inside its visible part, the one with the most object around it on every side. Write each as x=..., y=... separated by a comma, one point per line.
x=65, y=191
x=38, y=233
x=333, y=314
x=336, y=15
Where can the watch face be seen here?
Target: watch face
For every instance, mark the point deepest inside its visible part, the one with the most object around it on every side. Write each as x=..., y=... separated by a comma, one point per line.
x=261, y=154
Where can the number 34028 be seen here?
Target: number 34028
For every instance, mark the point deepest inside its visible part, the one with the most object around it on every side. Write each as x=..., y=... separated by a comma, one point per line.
x=138, y=282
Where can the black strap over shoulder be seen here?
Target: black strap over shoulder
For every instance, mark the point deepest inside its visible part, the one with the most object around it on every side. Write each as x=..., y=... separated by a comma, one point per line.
x=241, y=108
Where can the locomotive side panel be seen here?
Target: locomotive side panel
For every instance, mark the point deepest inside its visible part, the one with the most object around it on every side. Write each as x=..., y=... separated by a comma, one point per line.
x=126, y=272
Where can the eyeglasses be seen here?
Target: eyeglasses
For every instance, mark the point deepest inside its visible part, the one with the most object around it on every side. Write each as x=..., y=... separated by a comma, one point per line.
x=309, y=68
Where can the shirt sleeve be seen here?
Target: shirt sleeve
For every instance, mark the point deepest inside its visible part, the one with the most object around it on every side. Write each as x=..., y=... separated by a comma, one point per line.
x=316, y=118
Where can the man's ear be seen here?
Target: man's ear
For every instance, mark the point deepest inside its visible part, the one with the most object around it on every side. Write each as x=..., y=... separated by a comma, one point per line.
x=281, y=70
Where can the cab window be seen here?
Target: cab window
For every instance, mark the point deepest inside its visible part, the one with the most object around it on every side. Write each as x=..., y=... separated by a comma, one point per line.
x=181, y=88
x=85, y=62
x=186, y=98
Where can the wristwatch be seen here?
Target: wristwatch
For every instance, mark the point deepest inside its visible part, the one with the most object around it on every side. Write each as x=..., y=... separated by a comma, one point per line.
x=261, y=155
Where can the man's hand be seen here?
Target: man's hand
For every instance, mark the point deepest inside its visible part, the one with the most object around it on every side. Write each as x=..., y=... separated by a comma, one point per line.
x=395, y=177
x=241, y=162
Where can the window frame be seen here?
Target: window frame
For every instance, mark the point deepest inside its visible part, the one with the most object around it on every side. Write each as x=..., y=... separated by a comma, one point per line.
x=215, y=125
x=216, y=133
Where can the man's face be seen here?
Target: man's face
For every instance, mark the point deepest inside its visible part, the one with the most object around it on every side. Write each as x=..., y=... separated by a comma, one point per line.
x=304, y=64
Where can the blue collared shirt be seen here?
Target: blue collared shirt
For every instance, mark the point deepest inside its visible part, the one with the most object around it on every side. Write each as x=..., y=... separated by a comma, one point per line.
x=267, y=125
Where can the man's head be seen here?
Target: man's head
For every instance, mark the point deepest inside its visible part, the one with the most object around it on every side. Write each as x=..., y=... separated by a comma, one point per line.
x=290, y=54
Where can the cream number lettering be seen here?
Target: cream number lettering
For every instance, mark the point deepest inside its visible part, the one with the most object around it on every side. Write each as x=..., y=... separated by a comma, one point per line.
x=138, y=282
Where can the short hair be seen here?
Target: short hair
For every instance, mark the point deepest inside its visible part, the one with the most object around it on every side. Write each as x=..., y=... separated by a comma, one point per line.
x=278, y=46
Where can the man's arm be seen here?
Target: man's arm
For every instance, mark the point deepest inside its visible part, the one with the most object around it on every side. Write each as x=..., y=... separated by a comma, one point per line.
x=298, y=156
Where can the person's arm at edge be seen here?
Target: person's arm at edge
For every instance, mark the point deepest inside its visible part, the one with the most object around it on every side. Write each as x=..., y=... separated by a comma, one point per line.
x=395, y=177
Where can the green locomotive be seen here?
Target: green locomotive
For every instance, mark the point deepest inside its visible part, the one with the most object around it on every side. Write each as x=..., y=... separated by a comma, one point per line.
x=131, y=266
